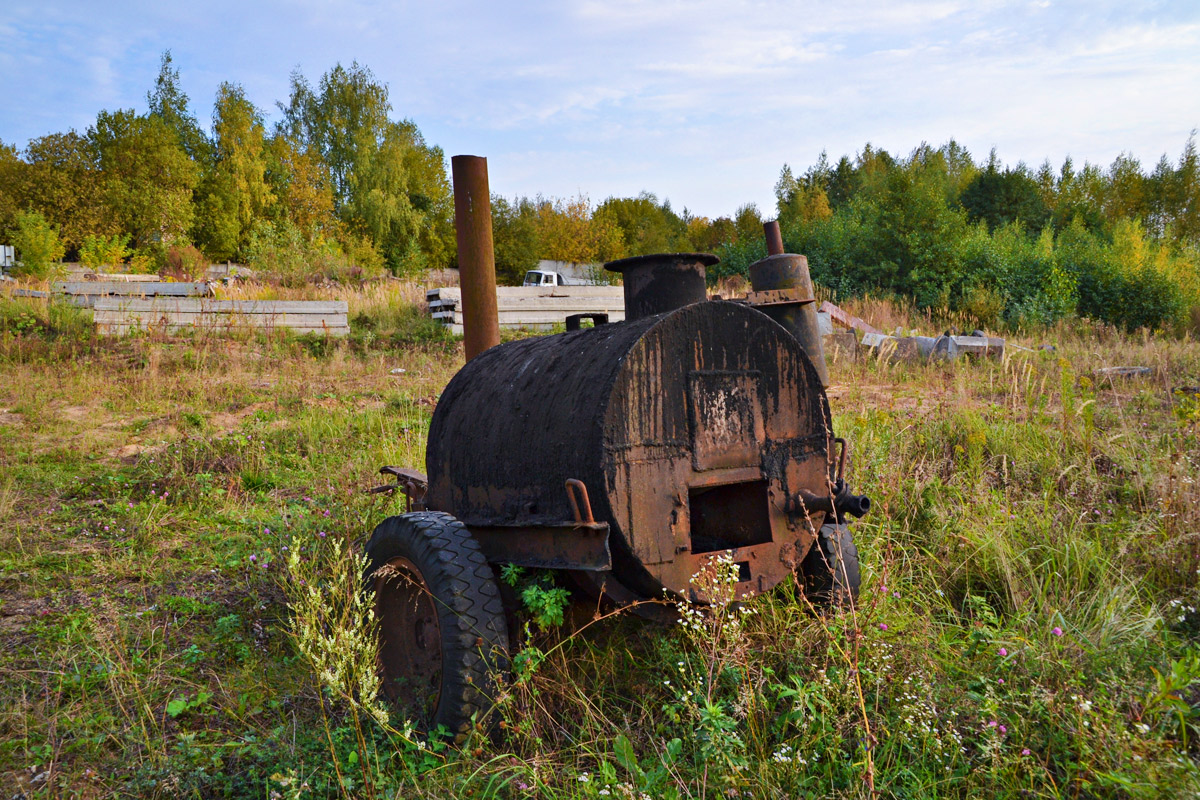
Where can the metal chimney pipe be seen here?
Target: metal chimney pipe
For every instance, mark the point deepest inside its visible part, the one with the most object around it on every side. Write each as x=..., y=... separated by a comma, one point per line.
x=476, y=259
x=774, y=238
x=662, y=282
x=788, y=298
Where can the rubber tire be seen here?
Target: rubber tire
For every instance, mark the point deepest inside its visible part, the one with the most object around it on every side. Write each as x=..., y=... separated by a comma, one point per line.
x=830, y=572
x=472, y=627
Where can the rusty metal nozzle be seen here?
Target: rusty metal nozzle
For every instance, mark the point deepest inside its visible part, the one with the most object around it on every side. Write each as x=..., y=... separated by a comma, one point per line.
x=839, y=501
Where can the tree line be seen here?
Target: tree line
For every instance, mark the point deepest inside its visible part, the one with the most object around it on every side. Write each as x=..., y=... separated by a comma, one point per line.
x=337, y=188
x=1003, y=243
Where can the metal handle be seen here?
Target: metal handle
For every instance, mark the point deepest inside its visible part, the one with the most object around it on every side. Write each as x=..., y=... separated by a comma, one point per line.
x=841, y=468
x=573, y=320
x=577, y=485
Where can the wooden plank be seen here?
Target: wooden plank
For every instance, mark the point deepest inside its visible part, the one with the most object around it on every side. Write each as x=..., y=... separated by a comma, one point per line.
x=847, y=320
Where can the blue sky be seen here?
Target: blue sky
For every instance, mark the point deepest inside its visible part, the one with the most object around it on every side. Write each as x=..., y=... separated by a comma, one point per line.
x=700, y=102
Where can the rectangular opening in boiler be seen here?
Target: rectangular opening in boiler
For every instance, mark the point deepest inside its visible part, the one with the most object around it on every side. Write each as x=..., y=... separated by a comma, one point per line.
x=729, y=516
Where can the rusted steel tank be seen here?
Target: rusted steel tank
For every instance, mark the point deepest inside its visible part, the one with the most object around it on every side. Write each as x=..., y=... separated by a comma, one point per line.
x=691, y=429
x=627, y=454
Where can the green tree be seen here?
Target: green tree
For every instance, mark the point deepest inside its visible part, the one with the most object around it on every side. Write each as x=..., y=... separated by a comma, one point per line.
x=1079, y=195
x=63, y=181
x=235, y=190
x=36, y=243
x=12, y=185
x=386, y=182
x=706, y=235
x=514, y=238
x=148, y=177
x=748, y=224
x=1183, y=197
x=999, y=197
x=346, y=121
x=802, y=200
x=169, y=103
x=646, y=225
x=1125, y=195
x=843, y=183
x=566, y=231
x=301, y=186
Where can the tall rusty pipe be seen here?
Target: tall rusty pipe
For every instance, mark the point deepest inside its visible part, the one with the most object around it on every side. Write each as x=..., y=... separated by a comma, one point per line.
x=774, y=238
x=476, y=259
x=662, y=282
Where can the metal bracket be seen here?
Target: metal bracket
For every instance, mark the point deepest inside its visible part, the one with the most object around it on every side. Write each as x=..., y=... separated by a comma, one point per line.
x=414, y=485
x=580, y=546
x=772, y=297
x=573, y=320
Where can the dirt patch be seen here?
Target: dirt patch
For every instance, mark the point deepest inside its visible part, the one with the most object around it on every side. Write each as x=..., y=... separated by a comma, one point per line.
x=129, y=452
x=229, y=421
x=76, y=413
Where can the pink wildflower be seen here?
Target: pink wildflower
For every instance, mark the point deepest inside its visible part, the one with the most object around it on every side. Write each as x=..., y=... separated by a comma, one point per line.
x=1057, y=631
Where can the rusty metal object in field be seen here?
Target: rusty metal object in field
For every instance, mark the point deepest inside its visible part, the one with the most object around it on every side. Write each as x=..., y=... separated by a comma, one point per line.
x=662, y=282
x=476, y=260
x=774, y=238
x=575, y=487
x=691, y=429
x=626, y=455
x=412, y=483
x=777, y=277
x=577, y=546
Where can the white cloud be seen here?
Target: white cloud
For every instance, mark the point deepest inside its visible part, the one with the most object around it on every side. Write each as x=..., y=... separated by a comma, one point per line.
x=700, y=101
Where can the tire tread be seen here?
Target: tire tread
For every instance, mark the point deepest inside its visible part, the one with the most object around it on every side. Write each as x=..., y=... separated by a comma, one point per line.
x=470, y=611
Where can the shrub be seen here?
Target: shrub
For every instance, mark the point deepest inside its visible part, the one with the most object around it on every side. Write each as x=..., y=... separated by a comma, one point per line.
x=99, y=251
x=186, y=263
x=281, y=251
x=37, y=245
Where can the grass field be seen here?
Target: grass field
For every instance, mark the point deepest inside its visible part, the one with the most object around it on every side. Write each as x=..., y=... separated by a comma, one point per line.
x=1027, y=626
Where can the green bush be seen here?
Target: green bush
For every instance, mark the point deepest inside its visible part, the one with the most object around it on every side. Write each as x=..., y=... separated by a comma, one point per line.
x=37, y=245
x=100, y=251
x=185, y=262
x=282, y=251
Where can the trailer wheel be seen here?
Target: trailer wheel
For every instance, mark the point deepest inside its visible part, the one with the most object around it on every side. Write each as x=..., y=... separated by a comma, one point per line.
x=442, y=634
x=830, y=572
